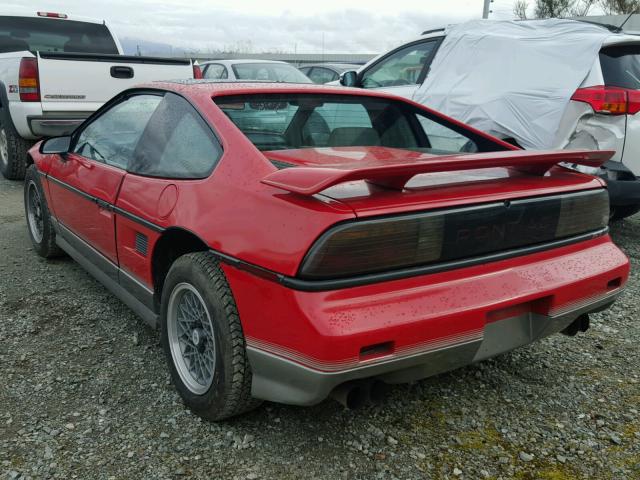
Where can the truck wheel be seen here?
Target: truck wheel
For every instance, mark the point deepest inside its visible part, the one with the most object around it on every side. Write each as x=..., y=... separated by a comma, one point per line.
x=13, y=149
x=41, y=232
x=203, y=340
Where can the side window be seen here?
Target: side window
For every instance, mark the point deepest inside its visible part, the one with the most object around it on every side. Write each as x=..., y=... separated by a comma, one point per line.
x=322, y=75
x=401, y=68
x=215, y=71
x=112, y=137
x=177, y=143
x=445, y=139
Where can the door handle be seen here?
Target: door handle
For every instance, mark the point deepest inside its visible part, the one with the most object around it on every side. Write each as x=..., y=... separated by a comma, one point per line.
x=121, y=72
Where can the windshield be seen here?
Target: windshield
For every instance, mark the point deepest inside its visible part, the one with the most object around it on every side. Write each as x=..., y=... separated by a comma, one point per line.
x=621, y=66
x=19, y=34
x=292, y=121
x=272, y=72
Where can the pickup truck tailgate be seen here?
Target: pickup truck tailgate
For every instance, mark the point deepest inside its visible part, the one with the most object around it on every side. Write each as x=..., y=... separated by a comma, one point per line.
x=83, y=82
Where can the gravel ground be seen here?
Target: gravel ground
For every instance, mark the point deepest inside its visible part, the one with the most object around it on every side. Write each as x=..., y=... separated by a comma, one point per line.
x=85, y=393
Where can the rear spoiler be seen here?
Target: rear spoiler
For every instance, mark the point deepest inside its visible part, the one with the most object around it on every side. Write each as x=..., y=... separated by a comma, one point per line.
x=312, y=180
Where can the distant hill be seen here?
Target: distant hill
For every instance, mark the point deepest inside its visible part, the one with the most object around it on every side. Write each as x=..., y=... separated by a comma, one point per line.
x=135, y=46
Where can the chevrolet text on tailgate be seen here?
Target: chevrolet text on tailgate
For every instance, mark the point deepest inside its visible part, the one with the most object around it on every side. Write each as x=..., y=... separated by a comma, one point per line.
x=295, y=242
x=55, y=71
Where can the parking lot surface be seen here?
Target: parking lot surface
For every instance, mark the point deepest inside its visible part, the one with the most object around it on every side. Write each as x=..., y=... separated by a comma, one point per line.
x=85, y=393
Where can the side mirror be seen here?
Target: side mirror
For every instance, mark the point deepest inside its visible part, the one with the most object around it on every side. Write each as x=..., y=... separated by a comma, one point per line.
x=349, y=78
x=59, y=145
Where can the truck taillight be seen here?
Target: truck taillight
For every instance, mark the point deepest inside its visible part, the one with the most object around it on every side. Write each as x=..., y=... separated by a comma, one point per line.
x=28, y=80
x=609, y=100
x=197, y=72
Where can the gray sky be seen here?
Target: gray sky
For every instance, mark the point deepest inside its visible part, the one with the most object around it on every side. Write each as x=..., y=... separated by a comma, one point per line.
x=309, y=26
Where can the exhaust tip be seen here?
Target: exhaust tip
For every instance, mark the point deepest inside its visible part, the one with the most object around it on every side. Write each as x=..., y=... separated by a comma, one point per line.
x=580, y=324
x=356, y=397
x=378, y=391
x=351, y=395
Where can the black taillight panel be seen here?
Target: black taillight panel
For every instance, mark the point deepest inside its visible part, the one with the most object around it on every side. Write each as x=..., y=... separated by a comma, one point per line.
x=426, y=238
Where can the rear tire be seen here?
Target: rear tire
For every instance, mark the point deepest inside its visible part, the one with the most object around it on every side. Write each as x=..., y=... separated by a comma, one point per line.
x=39, y=223
x=621, y=212
x=13, y=149
x=203, y=340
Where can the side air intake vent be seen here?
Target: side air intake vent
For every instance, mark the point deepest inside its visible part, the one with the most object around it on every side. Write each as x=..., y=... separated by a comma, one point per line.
x=142, y=243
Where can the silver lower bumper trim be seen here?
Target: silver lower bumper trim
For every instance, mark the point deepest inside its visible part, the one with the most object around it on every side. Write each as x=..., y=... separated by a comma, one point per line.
x=281, y=380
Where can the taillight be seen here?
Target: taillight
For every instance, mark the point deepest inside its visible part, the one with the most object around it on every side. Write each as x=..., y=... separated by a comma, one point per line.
x=609, y=100
x=197, y=72
x=28, y=80
x=446, y=238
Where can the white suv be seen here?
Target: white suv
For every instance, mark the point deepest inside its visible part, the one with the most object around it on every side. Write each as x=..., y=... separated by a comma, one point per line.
x=602, y=112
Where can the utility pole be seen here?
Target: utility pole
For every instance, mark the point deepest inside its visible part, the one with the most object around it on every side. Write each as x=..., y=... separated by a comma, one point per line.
x=485, y=10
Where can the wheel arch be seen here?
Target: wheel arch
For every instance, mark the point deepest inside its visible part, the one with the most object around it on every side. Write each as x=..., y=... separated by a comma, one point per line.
x=172, y=244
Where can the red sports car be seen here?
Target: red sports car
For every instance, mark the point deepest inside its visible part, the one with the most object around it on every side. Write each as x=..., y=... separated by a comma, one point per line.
x=296, y=241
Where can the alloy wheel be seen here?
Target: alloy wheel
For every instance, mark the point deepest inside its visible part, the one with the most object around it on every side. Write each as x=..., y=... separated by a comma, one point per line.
x=34, y=212
x=191, y=338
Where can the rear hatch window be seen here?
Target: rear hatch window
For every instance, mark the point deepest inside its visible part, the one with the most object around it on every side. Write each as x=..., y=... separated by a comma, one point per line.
x=621, y=66
x=291, y=121
x=19, y=34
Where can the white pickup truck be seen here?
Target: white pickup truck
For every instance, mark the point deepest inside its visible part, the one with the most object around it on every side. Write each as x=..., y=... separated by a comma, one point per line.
x=55, y=71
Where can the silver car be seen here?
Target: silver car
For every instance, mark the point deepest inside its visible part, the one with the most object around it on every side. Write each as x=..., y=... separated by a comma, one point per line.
x=250, y=70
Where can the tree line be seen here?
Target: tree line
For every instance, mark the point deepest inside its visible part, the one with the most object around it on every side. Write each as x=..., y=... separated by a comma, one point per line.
x=573, y=8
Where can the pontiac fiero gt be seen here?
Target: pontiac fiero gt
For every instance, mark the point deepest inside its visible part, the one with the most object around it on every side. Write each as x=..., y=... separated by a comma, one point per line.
x=292, y=241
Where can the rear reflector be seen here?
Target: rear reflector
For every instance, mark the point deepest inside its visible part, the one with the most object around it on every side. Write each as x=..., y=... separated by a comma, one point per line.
x=414, y=240
x=197, y=72
x=28, y=80
x=52, y=15
x=609, y=100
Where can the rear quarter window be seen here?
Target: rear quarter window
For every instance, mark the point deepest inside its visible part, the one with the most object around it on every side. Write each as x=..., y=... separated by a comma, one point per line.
x=176, y=143
x=621, y=66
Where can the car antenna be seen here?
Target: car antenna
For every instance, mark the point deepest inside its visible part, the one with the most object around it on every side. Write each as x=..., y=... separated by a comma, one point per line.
x=627, y=19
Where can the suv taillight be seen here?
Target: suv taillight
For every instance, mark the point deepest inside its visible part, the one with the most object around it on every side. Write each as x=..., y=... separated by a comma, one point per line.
x=28, y=80
x=609, y=100
x=197, y=72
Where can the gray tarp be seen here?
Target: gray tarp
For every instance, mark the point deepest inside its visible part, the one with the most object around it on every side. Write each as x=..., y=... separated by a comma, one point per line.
x=512, y=79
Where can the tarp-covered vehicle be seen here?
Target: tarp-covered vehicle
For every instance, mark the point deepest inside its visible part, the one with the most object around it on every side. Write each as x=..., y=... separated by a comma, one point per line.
x=543, y=84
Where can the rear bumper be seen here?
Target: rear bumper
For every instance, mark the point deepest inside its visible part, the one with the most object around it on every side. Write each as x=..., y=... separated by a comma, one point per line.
x=55, y=126
x=625, y=188
x=282, y=380
x=302, y=344
x=624, y=192
x=32, y=123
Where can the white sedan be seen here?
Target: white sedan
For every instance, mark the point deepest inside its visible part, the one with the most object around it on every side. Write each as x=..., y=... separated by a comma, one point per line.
x=267, y=70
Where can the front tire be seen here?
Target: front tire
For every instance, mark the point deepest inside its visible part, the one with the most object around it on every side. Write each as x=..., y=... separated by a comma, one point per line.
x=203, y=340
x=13, y=149
x=39, y=222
